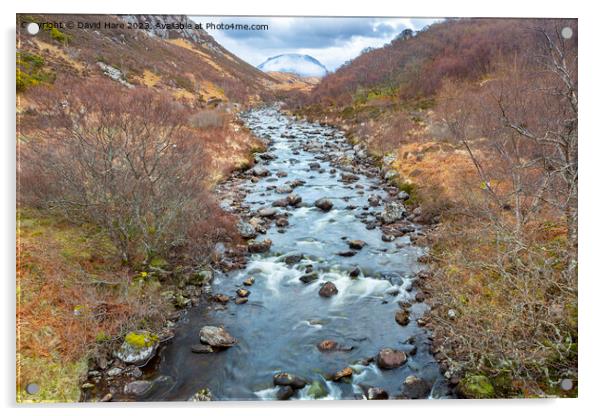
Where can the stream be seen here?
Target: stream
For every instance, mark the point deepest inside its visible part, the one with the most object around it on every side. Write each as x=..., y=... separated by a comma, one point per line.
x=284, y=320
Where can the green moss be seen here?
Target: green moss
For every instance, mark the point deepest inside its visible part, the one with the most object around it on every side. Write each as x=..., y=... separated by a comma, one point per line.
x=317, y=390
x=158, y=262
x=141, y=339
x=476, y=387
x=31, y=71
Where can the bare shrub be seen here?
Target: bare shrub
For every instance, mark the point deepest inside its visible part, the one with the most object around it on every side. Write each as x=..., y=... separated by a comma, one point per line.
x=208, y=118
x=128, y=162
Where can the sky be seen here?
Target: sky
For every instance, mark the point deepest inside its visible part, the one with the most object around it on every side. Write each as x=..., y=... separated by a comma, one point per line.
x=330, y=40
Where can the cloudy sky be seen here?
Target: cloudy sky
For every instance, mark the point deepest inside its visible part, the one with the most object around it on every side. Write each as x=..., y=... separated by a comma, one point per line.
x=331, y=41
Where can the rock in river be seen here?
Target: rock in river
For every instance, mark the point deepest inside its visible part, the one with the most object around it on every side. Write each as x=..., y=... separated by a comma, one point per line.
x=389, y=358
x=138, y=388
x=246, y=230
x=260, y=171
x=203, y=395
x=309, y=277
x=328, y=289
x=284, y=392
x=259, y=246
x=402, y=317
x=243, y=293
x=356, y=244
x=324, y=204
x=216, y=337
x=138, y=348
x=376, y=393
x=293, y=199
x=345, y=372
x=201, y=349
x=249, y=281
x=415, y=388
x=393, y=211
x=286, y=379
x=267, y=212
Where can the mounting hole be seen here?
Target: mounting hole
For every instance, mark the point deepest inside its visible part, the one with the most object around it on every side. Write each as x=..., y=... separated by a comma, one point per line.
x=566, y=384
x=33, y=28
x=566, y=32
x=32, y=388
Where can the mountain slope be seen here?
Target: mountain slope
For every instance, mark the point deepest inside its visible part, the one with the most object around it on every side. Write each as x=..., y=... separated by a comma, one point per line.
x=187, y=62
x=416, y=66
x=302, y=65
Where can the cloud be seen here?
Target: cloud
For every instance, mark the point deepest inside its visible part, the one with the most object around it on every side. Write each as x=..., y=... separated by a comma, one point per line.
x=331, y=40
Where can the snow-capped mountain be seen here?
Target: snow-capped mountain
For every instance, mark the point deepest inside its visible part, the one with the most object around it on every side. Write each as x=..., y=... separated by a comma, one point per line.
x=302, y=65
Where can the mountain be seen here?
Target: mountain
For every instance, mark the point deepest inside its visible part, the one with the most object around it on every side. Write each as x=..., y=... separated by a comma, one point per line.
x=163, y=52
x=302, y=65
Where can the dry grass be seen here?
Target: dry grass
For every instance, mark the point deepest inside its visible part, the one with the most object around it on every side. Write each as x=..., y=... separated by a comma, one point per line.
x=71, y=294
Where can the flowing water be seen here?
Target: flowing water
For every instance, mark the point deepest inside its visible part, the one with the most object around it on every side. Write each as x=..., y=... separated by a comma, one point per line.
x=284, y=319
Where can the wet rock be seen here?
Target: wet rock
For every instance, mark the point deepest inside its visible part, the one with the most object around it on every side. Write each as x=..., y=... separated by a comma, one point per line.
x=309, y=277
x=345, y=372
x=392, y=212
x=402, y=317
x=281, y=174
x=324, y=204
x=203, y=395
x=415, y=388
x=374, y=200
x=138, y=388
x=240, y=301
x=246, y=230
x=349, y=177
x=389, y=358
x=284, y=393
x=328, y=289
x=260, y=171
x=376, y=393
x=281, y=222
x=420, y=297
x=314, y=165
x=267, y=212
x=293, y=199
x=259, y=246
x=266, y=156
x=284, y=189
x=216, y=337
x=356, y=244
x=317, y=390
x=243, y=293
x=355, y=272
x=220, y=298
x=114, y=372
x=281, y=203
x=296, y=182
x=387, y=238
x=138, y=348
x=249, y=281
x=201, y=349
x=348, y=253
x=287, y=379
x=294, y=258
x=328, y=345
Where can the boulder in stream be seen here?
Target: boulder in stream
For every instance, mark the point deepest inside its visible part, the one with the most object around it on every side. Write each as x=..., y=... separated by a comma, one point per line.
x=415, y=388
x=137, y=388
x=287, y=379
x=328, y=289
x=389, y=358
x=259, y=246
x=376, y=393
x=356, y=244
x=324, y=204
x=138, y=348
x=392, y=212
x=216, y=337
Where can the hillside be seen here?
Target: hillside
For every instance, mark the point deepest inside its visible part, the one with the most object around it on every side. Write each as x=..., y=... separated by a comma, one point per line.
x=416, y=66
x=187, y=63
